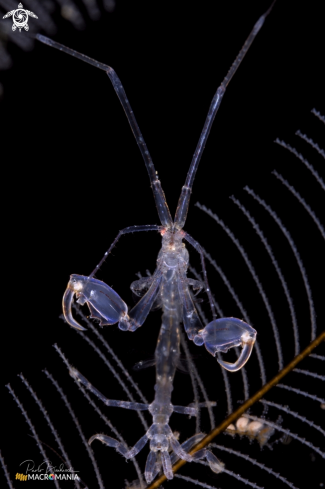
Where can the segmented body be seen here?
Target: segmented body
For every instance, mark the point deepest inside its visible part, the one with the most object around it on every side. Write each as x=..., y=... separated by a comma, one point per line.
x=168, y=289
x=172, y=257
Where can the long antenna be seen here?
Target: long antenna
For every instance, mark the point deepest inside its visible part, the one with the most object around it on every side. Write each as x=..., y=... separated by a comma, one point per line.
x=162, y=207
x=183, y=203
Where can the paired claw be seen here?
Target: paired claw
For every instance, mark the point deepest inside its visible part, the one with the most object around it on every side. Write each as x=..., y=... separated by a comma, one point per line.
x=103, y=302
x=106, y=305
x=222, y=334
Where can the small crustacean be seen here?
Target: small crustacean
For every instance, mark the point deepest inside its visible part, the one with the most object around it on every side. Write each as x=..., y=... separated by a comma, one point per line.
x=168, y=288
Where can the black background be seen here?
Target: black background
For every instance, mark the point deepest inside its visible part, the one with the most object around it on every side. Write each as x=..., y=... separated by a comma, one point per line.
x=72, y=176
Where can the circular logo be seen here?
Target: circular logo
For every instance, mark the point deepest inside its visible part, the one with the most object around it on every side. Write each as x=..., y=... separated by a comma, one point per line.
x=20, y=18
x=51, y=477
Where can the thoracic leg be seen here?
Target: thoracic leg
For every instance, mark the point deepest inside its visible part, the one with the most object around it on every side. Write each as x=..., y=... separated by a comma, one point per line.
x=153, y=466
x=111, y=442
x=197, y=285
x=214, y=463
x=187, y=445
x=138, y=287
x=136, y=406
x=167, y=465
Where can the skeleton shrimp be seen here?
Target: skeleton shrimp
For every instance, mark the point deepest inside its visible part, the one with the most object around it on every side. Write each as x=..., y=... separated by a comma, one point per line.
x=169, y=289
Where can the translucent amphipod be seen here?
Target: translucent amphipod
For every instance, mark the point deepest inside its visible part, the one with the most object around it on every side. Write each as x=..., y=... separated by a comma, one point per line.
x=168, y=288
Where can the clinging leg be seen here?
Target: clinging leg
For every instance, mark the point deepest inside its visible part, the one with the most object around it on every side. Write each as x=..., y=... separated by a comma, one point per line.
x=214, y=463
x=111, y=442
x=136, y=406
x=153, y=466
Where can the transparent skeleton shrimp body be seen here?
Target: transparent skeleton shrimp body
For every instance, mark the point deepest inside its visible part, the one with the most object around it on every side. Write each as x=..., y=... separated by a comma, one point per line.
x=167, y=288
